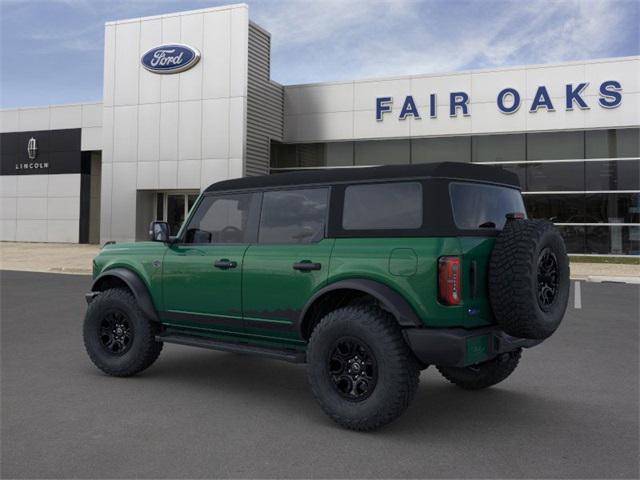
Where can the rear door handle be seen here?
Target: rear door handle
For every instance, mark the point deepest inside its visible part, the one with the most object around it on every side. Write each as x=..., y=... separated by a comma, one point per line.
x=225, y=264
x=306, y=266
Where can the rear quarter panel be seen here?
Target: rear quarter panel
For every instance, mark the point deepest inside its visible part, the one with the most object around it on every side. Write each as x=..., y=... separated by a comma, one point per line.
x=371, y=258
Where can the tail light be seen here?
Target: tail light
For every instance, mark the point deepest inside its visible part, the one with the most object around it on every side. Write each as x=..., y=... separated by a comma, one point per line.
x=449, y=281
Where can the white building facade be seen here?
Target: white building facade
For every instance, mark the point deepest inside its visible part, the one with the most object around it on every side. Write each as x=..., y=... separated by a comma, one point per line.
x=103, y=171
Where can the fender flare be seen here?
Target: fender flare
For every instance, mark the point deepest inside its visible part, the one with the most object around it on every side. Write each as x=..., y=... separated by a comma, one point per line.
x=392, y=300
x=135, y=284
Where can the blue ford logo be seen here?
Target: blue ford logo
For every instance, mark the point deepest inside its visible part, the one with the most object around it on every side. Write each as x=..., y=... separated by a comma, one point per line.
x=172, y=58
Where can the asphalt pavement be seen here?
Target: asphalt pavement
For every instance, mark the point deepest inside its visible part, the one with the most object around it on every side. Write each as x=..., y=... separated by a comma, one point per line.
x=570, y=410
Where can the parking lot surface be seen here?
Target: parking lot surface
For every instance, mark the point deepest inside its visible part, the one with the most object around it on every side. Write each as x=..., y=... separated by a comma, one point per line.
x=569, y=410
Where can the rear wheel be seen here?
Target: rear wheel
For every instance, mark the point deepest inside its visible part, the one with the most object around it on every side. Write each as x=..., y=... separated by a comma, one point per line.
x=118, y=337
x=483, y=375
x=360, y=369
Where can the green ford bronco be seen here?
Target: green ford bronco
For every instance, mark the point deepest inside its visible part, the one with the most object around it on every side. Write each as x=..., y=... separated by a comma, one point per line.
x=367, y=275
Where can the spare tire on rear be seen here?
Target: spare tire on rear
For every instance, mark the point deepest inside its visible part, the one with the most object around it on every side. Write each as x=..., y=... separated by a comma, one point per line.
x=529, y=278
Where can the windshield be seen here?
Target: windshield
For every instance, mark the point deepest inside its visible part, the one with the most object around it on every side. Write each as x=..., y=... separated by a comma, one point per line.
x=478, y=206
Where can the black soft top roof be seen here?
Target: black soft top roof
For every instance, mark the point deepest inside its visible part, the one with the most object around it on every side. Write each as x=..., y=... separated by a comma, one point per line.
x=452, y=170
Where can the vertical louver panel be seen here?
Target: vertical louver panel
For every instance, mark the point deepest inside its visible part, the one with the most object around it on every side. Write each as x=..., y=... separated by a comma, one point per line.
x=265, y=104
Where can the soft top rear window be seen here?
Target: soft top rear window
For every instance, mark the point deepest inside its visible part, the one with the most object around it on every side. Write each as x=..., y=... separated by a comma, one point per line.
x=478, y=206
x=383, y=206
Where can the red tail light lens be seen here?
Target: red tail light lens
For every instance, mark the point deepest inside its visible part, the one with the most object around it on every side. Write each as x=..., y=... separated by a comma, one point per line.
x=449, y=281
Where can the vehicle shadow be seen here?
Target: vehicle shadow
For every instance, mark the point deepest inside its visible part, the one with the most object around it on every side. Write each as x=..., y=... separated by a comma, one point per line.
x=437, y=406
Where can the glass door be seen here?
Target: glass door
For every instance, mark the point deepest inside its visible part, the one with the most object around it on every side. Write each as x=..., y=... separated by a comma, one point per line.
x=173, y=208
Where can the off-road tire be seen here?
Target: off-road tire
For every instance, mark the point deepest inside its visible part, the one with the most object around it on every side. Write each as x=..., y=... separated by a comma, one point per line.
x=143, y=350
x=484, y=374
x=514, y=278
x=398, y=373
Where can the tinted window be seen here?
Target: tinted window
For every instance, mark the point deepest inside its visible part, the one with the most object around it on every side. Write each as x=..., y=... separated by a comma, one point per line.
x=555, y=145
x=293, y=216
x=520, y=170
x=499, y=148
x=542, y=177
x=223, y=219
x=612, y=143
x=382, y=152
x=563, y=208
x=383, y=206
x=613, y=207
x=447, y=149
x=613, y=175
x=483, y=206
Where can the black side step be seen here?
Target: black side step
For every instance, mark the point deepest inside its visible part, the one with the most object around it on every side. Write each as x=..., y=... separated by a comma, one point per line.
x=193, y=341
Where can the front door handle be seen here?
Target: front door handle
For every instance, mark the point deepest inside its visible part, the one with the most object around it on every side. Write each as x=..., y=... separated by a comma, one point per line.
x=306, y=266
x=225, y=264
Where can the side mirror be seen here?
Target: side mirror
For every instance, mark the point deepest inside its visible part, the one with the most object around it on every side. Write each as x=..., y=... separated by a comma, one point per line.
x=159, y=232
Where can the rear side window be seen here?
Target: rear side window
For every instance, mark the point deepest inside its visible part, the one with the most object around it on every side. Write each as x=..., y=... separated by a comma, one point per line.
x=383, y=206
x=477, y=206
x=293, y=216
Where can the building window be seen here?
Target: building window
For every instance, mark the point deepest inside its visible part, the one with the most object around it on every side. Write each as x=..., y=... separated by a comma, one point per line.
x=447, y=149
x=559, y=208
x=283, y=155
x=555, y=145
x=613, y=175
x=383, y=206
x=382, y=152
x=613, y=207
x=613, y=143
x=499, y=148
x=339, y=154
x=309, y=155
x=544, y=177
x=174, y=207
x=520, y=170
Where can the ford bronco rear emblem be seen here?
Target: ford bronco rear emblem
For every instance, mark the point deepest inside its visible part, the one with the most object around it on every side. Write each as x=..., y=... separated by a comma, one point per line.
x=173, y=58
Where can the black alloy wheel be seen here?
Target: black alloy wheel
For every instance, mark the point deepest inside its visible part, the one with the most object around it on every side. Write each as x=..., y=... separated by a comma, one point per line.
x=547, y=278
x=116, y=332
x=353, y=369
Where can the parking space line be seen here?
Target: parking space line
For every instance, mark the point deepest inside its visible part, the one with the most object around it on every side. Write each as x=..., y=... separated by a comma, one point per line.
x=577, y=295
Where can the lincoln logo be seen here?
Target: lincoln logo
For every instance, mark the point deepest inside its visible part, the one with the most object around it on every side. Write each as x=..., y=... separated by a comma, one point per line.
x=32, y=154
x=173, y=58
x=32, y=148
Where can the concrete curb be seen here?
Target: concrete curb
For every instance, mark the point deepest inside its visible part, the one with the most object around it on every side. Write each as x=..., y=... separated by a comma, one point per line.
x=603, y=278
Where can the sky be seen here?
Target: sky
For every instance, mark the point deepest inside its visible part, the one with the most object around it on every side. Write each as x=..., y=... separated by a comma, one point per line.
x=51, y=51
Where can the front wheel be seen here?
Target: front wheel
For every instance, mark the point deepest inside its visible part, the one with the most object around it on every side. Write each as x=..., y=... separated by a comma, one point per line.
x=118, y=337
x=360, y=369
x=483, y=375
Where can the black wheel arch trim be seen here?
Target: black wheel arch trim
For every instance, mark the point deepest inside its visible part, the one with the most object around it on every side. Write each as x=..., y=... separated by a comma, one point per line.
x=135, y=284
x=397, y=305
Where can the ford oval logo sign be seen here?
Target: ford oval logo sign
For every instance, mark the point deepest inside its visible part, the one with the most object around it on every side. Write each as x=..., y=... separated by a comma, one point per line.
x=171, y=58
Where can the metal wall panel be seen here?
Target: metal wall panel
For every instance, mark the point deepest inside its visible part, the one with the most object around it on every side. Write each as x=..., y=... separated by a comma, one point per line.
x=265, y=104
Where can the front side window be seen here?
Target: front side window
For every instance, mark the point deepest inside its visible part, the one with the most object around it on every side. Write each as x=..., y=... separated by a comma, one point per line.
x=383, y=206
x=223, y=219
x=477, y=206
x=293, y=216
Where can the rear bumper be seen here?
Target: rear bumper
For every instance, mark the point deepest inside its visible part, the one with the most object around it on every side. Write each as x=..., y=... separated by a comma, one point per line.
x=459, y=347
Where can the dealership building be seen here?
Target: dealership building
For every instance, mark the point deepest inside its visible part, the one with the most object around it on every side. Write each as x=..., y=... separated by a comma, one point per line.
x=188, y=101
